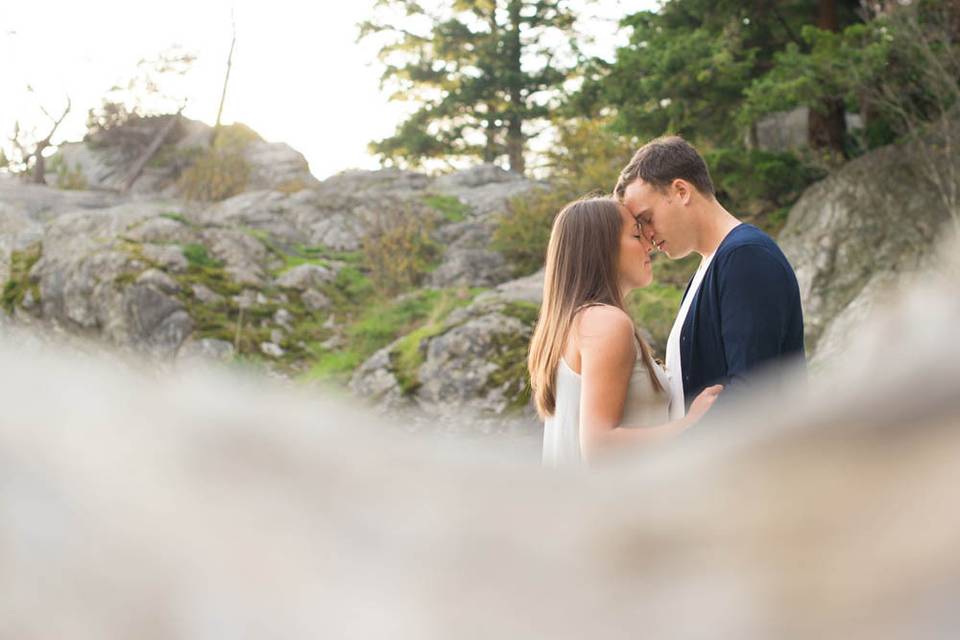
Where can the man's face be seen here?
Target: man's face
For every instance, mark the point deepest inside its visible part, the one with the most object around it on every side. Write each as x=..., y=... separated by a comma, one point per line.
x=662, y=217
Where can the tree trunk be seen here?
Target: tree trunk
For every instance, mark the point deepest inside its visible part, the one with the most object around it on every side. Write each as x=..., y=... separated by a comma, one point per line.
x=39, y=168
x=226, y=79
x=150, y=152
x=490, y=131
x=514, y=82
x=826, y=124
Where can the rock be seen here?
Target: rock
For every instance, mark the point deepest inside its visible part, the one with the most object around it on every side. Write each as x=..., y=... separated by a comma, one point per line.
x=339, y=231
x=375, y=382
x=205, y=295
x=315, y=301
x=468, y=260
x=161, y=230
x=276, y=165
x=525, y=289
x=460, y=363
x=246, y=299
x=166, y=338
x=271, y=349
x=206, y=349
x=471, y=268
x=486, y=188
x=266, y=211
x=875, y=215
x=158, y=280
x=160, y=321
x=306, y=276
x=166, y=256
x=244, y=256
x=789, y=130
x=333, y=343
x=781, y=523
x=283, y=318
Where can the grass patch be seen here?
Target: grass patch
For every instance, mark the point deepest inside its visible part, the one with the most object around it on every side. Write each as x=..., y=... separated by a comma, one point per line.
x=319, y=255
x=418, y=315
x=197, y=257
x=654, y=309
x=176, y=216
x=510, y=355
x=449, y=207
x=526, y=312
x=408, y=355
x=19, y=283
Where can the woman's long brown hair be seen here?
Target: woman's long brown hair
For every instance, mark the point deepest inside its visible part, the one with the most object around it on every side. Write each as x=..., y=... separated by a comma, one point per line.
x=581, y=270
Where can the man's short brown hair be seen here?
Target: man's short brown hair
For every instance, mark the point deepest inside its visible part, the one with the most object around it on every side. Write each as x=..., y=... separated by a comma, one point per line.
x=663, y=160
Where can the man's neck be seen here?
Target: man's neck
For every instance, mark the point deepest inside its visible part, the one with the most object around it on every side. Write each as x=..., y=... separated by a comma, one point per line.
x=715, y=223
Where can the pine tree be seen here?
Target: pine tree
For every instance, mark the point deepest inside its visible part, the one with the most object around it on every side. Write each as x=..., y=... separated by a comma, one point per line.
x=483, y=72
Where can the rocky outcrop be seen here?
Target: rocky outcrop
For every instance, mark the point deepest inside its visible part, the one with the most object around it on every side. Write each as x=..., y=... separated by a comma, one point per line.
x=854, y=235
x=258, y=275
x=105, y=160
x=472, y=360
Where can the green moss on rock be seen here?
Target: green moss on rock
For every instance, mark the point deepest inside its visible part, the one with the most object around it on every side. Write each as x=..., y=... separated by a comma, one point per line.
x=19, y=283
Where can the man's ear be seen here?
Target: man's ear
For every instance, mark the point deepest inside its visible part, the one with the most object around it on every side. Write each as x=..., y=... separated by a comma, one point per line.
x=683, y=190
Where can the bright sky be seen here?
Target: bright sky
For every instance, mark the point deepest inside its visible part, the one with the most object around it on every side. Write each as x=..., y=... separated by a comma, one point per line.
x=298, y=74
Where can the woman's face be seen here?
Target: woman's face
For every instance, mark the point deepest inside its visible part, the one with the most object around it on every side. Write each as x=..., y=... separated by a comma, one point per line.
x=634, y=266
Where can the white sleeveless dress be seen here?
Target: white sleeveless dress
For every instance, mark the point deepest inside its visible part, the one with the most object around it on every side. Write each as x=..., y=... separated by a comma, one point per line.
x=645, y=406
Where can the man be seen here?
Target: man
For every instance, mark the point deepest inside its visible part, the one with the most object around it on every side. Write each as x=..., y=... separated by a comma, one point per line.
x=742, y=307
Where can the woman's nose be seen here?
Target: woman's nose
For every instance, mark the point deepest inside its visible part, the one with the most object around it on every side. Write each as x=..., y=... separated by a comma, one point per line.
x=645, y=241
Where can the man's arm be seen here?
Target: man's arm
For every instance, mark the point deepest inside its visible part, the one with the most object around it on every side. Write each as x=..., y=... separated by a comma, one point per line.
x=756, y=299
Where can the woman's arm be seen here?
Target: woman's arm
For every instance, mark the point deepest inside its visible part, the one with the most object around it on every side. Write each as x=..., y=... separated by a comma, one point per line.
x=607, y=356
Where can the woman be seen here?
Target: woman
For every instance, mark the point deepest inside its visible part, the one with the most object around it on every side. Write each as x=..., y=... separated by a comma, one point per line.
x=594, y=381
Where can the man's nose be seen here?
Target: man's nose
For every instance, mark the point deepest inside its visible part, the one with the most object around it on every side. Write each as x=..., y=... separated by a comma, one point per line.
x=646, y=242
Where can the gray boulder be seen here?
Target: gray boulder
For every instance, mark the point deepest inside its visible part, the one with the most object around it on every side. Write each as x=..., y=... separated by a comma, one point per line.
x=864, y=227
x=306, y=276
x=277, y=165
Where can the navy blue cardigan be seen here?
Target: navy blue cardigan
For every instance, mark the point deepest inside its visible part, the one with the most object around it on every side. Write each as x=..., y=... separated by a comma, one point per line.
x=746, y=313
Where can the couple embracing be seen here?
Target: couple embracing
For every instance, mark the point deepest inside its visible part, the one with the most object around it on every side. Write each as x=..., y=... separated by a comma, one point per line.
x=594, y=379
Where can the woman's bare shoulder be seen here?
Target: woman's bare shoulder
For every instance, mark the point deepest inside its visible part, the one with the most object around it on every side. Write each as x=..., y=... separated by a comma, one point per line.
x=605, y=322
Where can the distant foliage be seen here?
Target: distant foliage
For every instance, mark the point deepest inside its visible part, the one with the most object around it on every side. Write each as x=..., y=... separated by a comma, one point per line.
x=69, y=179
x=752, y=182
x=481, y=71
x=523, y=230
x=155, y=88
x=587, y=160
x=398, y=250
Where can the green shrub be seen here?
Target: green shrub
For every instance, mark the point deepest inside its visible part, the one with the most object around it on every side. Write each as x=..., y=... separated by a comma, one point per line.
x=587, y=160
x=70, y=179
x=197, y=256
x=523, y=231
x=19, y=283
x=217, y=174
x=449, y=207
x=398, y=250
x=234, y=136
x=756, y=184
x=221, y=171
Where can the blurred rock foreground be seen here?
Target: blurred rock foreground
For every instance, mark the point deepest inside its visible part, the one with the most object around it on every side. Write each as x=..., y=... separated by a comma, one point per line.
x=274, y=274
x=202, y=506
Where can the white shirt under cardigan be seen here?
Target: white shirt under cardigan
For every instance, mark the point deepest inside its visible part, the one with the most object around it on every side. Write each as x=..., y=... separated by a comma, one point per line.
x=674, y=367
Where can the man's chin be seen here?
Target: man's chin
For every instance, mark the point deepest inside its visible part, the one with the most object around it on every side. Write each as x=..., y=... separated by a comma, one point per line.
x=674, y=255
